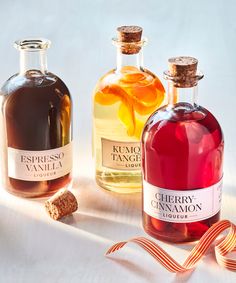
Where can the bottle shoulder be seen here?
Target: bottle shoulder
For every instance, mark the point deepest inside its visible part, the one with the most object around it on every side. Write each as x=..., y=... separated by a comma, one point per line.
x=168, y=122
x=127, y=76
x=34, y=80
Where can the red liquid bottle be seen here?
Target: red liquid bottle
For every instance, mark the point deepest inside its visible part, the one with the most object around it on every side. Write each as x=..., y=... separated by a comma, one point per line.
x=182, y=154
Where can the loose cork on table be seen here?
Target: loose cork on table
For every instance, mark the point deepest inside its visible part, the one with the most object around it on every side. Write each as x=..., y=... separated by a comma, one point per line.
x=61, y=204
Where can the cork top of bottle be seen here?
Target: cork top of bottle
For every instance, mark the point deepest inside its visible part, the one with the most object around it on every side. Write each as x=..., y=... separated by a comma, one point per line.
x=129, y=33
x=183, y=71
x=129, y=39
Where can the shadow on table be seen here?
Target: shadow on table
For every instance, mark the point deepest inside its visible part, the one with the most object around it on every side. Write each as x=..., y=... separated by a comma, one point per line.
x=118, y=217
x=208, y=259
x=135, y=268
x=110, y=229
x=94, y=199
x=115, y=218
x=112, y=216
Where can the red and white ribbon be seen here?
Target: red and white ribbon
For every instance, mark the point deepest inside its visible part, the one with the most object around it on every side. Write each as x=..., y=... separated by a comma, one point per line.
x=222, y=248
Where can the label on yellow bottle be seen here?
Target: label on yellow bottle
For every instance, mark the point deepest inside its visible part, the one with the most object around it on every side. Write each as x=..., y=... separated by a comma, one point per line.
x=40, y=165
x=181, y=206
x=121, y=155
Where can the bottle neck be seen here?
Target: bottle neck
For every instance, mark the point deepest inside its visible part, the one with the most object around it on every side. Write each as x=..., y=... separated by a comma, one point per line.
x=182, y=95
x=134, y=60
x=33, y=60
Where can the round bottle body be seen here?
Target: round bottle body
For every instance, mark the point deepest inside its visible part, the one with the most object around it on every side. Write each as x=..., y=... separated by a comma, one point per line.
x=182, y=161
x=123, y=101
x=36, y=122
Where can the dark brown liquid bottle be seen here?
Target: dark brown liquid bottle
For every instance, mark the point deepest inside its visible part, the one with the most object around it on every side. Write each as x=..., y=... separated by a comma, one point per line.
x=36, y=122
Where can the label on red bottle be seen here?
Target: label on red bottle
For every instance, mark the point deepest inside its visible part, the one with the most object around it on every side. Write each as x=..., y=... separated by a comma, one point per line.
x=181, y=206
x=43, y=165
x=121, y=155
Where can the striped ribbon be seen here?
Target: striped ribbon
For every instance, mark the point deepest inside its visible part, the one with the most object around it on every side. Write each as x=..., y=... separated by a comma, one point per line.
x=223, y=248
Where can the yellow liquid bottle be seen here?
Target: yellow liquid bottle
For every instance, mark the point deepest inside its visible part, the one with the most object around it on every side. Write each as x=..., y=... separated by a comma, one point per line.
x=124, y=98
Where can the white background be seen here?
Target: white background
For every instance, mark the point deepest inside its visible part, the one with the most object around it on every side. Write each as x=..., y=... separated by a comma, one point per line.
x=81, y=52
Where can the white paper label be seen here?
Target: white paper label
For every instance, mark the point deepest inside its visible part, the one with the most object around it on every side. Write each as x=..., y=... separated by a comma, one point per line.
x=121, y=155
x=181, y=206
x=41, y=165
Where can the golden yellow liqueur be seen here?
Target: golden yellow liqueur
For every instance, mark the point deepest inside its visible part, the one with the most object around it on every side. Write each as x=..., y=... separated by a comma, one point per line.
x=124, y=98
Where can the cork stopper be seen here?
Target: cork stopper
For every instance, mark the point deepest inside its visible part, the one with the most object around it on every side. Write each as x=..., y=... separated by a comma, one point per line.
x=129, y=33
x=61, y=204
x=129, y=38
x=183, y=71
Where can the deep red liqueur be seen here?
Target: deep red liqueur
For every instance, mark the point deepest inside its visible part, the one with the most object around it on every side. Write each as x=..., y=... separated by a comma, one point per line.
x=182, y=154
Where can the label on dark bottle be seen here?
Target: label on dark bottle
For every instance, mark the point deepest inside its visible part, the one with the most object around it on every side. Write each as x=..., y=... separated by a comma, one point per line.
x=121, y=155
x=43, y=165
x=181, y=206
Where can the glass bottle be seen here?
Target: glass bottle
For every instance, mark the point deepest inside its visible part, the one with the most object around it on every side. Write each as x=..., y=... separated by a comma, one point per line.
x=36, y=122
x=123, y=100
x=182, y=156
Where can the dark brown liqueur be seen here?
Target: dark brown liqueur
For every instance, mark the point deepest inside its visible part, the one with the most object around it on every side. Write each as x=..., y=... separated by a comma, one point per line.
x=38, y=109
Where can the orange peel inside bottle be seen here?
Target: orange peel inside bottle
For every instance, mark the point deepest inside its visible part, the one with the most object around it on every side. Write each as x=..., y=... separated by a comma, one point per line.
x=137, y=91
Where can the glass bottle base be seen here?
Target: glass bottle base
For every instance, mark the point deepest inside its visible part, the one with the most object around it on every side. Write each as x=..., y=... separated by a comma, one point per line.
x=170, y=239
x=177, y=232
x=119, y=181
x=42, y=189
